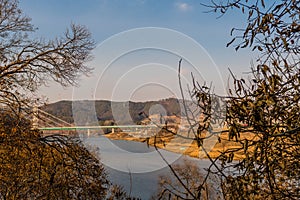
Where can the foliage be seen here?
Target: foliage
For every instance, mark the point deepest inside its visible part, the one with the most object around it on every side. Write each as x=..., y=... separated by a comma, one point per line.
x=272, y=28
x=189, y=175
x=49, y=167
x=261, y=111
x=266, y=105
x=32, y=165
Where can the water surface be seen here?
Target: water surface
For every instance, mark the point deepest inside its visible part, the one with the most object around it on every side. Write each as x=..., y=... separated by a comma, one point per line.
x=134, y=165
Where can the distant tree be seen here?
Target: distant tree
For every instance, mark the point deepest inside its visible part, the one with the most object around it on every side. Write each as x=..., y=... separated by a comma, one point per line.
x=189, y=175
x=27, y=63
x=117, y=193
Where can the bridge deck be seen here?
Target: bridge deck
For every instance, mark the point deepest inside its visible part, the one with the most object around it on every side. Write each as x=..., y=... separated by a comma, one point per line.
x=95, y=127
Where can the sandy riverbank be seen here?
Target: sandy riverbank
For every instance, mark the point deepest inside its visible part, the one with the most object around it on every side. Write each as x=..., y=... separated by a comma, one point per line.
x=188, y=147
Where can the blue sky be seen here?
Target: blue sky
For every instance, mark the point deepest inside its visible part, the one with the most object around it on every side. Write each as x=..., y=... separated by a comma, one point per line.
x=105, y=18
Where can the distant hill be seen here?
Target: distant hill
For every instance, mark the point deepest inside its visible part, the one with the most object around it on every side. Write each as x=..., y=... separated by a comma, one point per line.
x=102, y=111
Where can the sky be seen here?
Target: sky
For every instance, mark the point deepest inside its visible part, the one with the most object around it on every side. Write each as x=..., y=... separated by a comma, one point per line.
x=139, y=44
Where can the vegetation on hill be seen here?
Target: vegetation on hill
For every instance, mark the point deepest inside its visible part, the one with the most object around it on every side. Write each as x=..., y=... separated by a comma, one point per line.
x=103, y=108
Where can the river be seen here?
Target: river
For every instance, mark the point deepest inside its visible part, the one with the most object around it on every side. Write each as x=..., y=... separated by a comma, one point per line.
x=134, y=165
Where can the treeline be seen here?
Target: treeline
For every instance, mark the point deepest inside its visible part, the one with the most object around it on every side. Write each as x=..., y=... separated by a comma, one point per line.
x=103, y=108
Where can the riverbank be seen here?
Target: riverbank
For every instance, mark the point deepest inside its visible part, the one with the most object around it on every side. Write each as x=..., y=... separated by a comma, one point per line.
x=184, y=146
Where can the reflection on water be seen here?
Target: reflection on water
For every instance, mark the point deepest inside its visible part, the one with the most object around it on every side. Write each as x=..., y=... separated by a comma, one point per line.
x=134, y=147
x=136, y=157
x=123, y=159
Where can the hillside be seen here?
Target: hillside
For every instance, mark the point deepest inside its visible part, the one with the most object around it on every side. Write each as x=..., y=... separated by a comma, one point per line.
x=103, y=111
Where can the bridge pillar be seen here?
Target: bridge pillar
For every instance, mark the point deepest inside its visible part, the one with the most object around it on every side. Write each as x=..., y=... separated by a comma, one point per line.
x=113, y=130
x=35, y=119
x=88, y=132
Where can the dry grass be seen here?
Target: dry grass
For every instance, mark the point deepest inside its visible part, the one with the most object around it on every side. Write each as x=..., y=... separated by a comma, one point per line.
x=188, y=147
